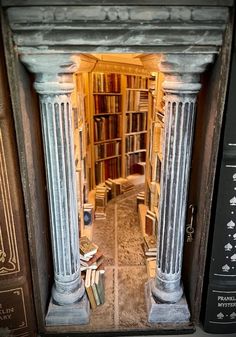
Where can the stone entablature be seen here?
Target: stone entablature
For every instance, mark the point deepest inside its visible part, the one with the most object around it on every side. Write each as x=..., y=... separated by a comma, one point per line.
x=118, y=28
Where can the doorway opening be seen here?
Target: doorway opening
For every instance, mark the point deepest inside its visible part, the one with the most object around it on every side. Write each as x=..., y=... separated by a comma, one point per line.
x=118, y=122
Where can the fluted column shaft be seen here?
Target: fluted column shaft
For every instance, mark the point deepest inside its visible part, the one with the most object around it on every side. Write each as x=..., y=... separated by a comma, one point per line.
x=178, y=135
x=60, y=167
x=181, y=86
x=54, y=84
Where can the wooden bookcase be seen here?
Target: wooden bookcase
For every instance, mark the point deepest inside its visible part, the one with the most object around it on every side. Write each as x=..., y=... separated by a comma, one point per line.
x=119, y=118
x=106, y=125
x=155, y=144
x=136, y=118
x=119, y=114
x=118, y=122
x=82, y=144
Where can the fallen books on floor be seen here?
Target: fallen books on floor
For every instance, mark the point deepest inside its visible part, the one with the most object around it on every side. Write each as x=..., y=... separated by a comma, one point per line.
x=91, y=256
x=119, y=186
x=94, y=285
x=150, y=246
x=126, y=186
x=151, y=243
x=93, y=262
x=115, y=187
x=87, y=247
x=100, y=213
x=101, y=196
x=100, y=201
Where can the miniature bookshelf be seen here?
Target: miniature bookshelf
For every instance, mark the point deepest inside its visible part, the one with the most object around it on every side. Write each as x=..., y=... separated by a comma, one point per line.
x=136, y=117
x=120, y=114
x=155, y=140
x=82, y=144
x=106, y=128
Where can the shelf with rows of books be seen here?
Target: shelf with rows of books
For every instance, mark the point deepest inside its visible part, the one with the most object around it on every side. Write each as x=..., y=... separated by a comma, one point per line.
x=106, y=102
x=154, y=157
x=136, y=111
x=82, y=142
x=80, y=148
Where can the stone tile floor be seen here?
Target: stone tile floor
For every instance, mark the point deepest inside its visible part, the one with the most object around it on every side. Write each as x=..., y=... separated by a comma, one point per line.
x=120, y=238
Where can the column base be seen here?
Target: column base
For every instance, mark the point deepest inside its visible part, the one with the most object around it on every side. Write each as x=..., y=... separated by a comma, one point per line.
x=69, y=314
x=167, y=292
x=165, y=312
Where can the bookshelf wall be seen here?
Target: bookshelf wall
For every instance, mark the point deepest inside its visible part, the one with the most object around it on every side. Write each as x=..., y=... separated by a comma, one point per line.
x=118, y=123
x=155, y=144
x=119, y=115
x=82, y=144
x=136, y=117
x=107, y=122
x=119, y=128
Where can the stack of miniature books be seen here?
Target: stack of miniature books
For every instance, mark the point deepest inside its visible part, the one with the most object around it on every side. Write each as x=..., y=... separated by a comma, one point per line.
x=150, y=246
x=118, y=186
x=150, y=251
x=100, y=202
x=91, y=257
x=94, y=285
x=126, y=185
x=114, y=186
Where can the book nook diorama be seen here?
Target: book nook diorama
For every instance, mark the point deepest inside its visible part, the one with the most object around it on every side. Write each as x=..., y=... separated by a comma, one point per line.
x=116, y=111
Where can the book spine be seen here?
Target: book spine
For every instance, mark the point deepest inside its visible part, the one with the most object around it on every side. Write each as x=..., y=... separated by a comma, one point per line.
x=95, y=294
x=220, y=308
x=100, y=288
x=91, y=298
x=17, y=315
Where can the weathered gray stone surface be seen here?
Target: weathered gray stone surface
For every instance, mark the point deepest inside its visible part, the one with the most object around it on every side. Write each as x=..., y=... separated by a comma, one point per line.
x=121, y=2
x=181, y=86
x=132, y=28
x=163, y=312
x=65, y=14
x=70, y=314
x=54, y=84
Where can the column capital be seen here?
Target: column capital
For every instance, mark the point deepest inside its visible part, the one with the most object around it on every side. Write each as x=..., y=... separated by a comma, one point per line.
x=54, y=71
x=181, y=70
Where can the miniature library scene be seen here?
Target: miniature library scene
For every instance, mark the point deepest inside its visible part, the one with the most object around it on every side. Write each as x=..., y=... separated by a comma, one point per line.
x=118, y=122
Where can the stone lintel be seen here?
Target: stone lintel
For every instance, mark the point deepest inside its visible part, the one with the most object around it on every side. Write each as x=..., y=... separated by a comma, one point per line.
x=208, y=3
x=119, y=14
x=117, y=36
x=165, y=312
x=118, y=28
x=77, y=49
x=70, y=314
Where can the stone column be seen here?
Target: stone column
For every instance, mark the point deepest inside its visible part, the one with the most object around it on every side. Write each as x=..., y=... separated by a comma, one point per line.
x=181, y=86
x=54, y=84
